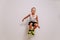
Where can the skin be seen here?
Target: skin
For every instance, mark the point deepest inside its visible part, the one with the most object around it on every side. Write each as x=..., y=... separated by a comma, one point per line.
x=33, y=10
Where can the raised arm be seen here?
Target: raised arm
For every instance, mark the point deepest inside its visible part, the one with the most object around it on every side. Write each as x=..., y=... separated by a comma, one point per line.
x=25, y=17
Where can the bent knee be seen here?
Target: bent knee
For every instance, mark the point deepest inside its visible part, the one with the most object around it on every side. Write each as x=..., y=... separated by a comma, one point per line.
x=35, y=24
x=30, y=24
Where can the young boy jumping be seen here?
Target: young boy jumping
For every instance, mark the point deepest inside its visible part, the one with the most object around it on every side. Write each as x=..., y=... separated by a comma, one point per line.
x=33, y=23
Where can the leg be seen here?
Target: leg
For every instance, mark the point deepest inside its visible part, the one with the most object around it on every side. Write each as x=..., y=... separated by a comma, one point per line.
x=35, y=26
x=30, y=26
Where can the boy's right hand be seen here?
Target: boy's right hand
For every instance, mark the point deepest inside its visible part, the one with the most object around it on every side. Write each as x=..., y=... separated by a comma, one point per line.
x=22, y=20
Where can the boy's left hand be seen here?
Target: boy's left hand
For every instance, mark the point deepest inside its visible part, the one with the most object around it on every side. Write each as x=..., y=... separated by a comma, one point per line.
x=39, y=27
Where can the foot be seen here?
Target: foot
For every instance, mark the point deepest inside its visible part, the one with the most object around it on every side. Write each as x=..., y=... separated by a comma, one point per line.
x=32, y=32
x=29, y=32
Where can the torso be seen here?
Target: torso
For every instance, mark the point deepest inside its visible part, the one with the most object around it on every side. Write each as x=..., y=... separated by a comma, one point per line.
x=33, y=18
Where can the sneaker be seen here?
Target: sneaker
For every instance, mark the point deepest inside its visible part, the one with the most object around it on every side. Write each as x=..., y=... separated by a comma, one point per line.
x=29, y=32
x=32, y=32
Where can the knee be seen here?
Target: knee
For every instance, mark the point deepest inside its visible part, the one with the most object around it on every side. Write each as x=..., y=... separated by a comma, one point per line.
x=30, y=24
x=36, y=25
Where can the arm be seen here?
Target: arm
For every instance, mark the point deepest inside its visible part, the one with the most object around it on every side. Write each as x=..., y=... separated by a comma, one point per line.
x=25, y=17
x=37, y=21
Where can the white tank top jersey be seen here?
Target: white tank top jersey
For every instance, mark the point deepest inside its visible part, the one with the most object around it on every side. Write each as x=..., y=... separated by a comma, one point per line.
x=33, y=18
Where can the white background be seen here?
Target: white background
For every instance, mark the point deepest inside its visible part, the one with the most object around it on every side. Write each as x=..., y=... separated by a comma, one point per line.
x=12, y=12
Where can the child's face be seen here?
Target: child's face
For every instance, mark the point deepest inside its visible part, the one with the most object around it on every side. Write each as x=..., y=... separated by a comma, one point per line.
x=33, y=11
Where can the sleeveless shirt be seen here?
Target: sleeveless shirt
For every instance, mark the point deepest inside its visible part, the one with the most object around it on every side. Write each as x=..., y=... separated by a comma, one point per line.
x=33, y=18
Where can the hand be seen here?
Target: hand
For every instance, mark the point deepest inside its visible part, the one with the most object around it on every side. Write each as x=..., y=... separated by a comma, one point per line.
x=22, y=20
x=39, y=27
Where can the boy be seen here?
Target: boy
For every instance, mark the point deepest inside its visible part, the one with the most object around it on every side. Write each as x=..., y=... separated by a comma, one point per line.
x=33, y=24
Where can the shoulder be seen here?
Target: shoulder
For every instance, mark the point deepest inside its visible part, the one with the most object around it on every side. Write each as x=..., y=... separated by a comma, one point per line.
x=29, y=14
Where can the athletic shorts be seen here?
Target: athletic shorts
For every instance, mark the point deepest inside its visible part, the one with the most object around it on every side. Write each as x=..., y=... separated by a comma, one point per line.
x=32, y=23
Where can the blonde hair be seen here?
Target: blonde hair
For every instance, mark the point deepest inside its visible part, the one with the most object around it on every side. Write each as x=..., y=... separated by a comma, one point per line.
x=33, y=8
